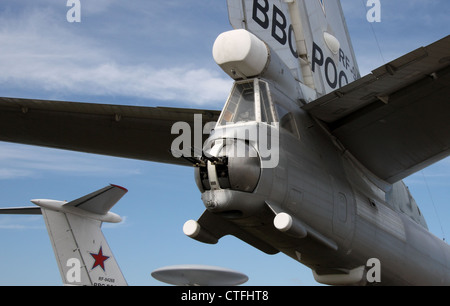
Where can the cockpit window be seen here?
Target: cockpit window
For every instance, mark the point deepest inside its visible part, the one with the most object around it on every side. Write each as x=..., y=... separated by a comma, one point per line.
x=241, y=104
x=266, y=109
x=252, y=101
x=248, y=101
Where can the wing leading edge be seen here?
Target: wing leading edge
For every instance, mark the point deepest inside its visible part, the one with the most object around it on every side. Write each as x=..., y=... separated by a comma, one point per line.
x=142, y=133
x=395, y=121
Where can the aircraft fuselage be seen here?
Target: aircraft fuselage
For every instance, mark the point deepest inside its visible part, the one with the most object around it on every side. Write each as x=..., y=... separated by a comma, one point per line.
x=337, y=215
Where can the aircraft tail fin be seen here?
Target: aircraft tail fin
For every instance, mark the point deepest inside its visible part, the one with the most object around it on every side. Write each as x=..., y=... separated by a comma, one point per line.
x=310, y=36
x=83, y=255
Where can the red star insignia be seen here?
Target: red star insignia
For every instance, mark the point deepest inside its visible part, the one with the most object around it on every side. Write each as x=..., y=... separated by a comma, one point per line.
x=99, y=259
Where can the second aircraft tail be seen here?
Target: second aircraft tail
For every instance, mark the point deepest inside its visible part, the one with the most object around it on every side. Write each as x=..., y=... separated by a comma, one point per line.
x=83, y=255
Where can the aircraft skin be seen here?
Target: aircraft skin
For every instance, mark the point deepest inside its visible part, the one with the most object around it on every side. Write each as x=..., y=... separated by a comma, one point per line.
x=324, y=184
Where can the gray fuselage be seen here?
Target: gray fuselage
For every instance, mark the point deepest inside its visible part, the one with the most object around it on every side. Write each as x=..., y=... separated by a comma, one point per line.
x=342, y=214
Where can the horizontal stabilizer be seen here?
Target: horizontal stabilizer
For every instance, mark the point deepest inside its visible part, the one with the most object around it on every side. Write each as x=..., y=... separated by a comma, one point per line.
x=100, y=201
x=33, y=210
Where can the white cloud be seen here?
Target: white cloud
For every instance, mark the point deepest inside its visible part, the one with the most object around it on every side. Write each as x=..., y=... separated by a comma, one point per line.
x=18, y=161
x=437, y=174
x=38, y=53
x=197, y=86
x=6, y=174
x=21, y=222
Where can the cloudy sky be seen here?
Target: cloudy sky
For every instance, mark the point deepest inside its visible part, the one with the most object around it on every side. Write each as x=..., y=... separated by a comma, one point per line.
x=158, y=53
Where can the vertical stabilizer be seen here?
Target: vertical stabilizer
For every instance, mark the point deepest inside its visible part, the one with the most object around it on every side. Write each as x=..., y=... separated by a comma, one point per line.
x=81, y=250
x=83, y=255
x=310, y=36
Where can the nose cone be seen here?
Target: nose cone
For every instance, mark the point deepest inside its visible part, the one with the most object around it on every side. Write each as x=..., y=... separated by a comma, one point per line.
x=36, y=202
x=233, y=181
x=244, y=166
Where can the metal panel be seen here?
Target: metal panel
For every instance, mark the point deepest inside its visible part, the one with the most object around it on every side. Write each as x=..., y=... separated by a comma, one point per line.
x=125, y=131
x=382, y=82
x=396, y=120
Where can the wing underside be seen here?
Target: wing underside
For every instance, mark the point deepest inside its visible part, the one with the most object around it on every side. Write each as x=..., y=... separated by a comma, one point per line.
x=142, y=133
x=395, y=121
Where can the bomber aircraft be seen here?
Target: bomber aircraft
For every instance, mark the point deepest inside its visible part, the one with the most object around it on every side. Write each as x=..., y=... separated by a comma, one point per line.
x=306, y=157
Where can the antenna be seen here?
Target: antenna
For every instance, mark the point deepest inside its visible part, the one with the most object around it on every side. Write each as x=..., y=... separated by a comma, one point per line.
x=434, y=205
x=374, y=34
x=199, y=275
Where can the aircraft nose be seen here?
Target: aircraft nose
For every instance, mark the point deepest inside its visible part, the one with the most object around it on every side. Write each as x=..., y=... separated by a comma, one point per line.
x=243, y=168
x=229, y=179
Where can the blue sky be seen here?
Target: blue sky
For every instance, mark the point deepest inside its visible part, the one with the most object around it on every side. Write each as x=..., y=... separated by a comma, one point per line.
x=158, y=53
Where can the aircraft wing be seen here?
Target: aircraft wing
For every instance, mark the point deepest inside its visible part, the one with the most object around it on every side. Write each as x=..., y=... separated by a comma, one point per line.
x=125, y=131
x=396, y=120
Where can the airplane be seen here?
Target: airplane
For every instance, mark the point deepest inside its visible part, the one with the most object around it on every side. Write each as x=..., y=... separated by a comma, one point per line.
x=83, y=255
x=334, y=190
